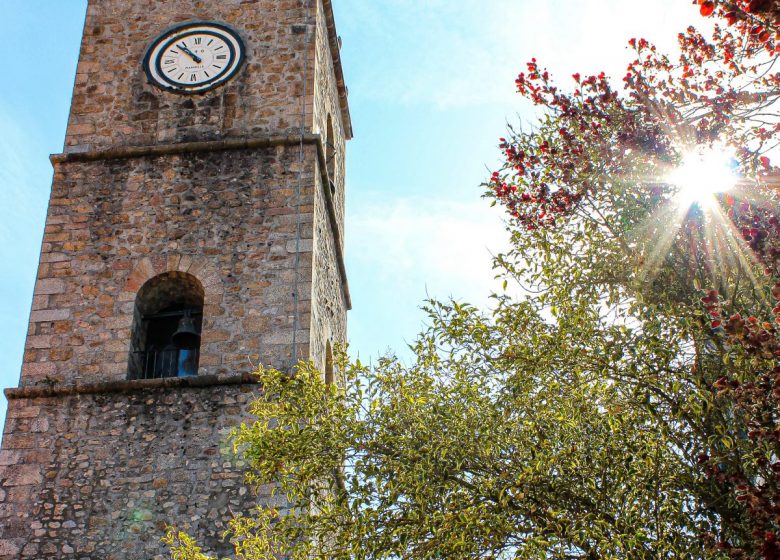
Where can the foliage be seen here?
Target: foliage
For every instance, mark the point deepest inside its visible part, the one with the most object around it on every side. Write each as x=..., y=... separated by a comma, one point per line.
x=183, y=546
x=594, y=172
x=623, y=403
x=498, y=447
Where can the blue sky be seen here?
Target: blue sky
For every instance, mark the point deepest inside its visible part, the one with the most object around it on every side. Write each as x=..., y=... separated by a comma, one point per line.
x=431, y=90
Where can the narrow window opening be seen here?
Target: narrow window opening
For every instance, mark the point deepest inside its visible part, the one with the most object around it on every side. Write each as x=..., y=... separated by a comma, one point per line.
x=167, y=325
x=328, y=364
x=330, y=155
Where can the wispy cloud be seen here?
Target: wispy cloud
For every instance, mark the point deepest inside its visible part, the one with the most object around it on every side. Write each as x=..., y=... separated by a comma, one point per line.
x=452, y=54
x=402, y=250
x=24, y=186
x=407, y=246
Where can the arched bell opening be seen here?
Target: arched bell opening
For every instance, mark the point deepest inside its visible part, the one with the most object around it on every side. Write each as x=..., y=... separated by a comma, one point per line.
x=167, y=325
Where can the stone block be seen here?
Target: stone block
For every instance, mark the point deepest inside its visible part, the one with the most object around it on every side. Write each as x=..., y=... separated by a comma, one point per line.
x=18, y=409
x=8, y=457
x=81, y=129
x=48, y=315
x=304, y=246
x=20, y=475
x=9, y=549
x=173, y=262
x=39, y=342
x=118, y=323
x=256, y=324
x=39, y=369
x=40, y=302
x=48, y=286
x=52, y=257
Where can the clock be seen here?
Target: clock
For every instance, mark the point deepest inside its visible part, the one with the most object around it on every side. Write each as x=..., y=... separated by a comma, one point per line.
x=194, y=57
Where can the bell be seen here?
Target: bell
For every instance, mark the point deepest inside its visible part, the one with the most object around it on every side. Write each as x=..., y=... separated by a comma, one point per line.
x=186, y=336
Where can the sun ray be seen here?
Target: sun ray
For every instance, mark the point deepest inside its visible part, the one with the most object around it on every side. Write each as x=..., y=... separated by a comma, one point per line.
x=662, y=226
x=736, y=250
x=696, y=207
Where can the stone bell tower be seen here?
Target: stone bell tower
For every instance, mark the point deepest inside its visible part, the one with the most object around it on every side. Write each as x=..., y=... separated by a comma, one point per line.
x=194, y=232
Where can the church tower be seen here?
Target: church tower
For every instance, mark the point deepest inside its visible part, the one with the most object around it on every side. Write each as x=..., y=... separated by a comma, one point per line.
x=194, y=232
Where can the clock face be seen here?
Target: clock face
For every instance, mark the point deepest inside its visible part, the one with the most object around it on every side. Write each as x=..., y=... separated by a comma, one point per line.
x=194, y=57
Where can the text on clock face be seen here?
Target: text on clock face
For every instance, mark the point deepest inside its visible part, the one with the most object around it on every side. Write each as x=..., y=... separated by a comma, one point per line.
x=195, y=58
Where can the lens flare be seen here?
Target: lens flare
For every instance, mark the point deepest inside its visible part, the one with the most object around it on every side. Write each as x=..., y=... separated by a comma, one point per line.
x=703, y=174
x=694, y=223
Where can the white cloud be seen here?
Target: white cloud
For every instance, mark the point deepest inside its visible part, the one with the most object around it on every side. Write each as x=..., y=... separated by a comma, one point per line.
x=408, y=246
x=451, y=54
x=401, y=250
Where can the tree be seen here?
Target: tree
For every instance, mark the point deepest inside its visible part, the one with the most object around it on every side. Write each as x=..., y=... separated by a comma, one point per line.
x=625, y=404
x=721, y=93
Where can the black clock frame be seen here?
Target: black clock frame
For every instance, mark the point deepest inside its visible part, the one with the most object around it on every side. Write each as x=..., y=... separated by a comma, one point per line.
x=212, y=83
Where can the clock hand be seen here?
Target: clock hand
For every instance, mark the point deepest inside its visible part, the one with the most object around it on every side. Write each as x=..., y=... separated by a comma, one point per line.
x=191, y=54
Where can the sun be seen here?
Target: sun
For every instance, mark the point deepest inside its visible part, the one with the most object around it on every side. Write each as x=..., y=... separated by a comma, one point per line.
x=702, y=174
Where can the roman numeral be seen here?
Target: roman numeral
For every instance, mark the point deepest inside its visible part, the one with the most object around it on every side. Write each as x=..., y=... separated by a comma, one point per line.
x=198, y=40
x=170, y=61
x=193, y=77
x=221, y=57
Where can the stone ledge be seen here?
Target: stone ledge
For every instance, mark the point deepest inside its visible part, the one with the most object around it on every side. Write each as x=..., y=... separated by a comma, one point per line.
x=227, y=144
x=126, y=386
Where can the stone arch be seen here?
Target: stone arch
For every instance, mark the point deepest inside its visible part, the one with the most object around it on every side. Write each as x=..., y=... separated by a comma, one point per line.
x=148, y=267
x=196, y=277
x=167, y=325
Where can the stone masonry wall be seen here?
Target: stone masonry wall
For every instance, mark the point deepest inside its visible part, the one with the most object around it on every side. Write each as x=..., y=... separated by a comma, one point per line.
x=228, y=218
x=96, y=476
x=326, y=103
x=100, y=476
x=329, y=308
x=113, y=104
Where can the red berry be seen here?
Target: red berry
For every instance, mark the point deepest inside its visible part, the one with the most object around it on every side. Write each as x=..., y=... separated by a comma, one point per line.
x=707, y=8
